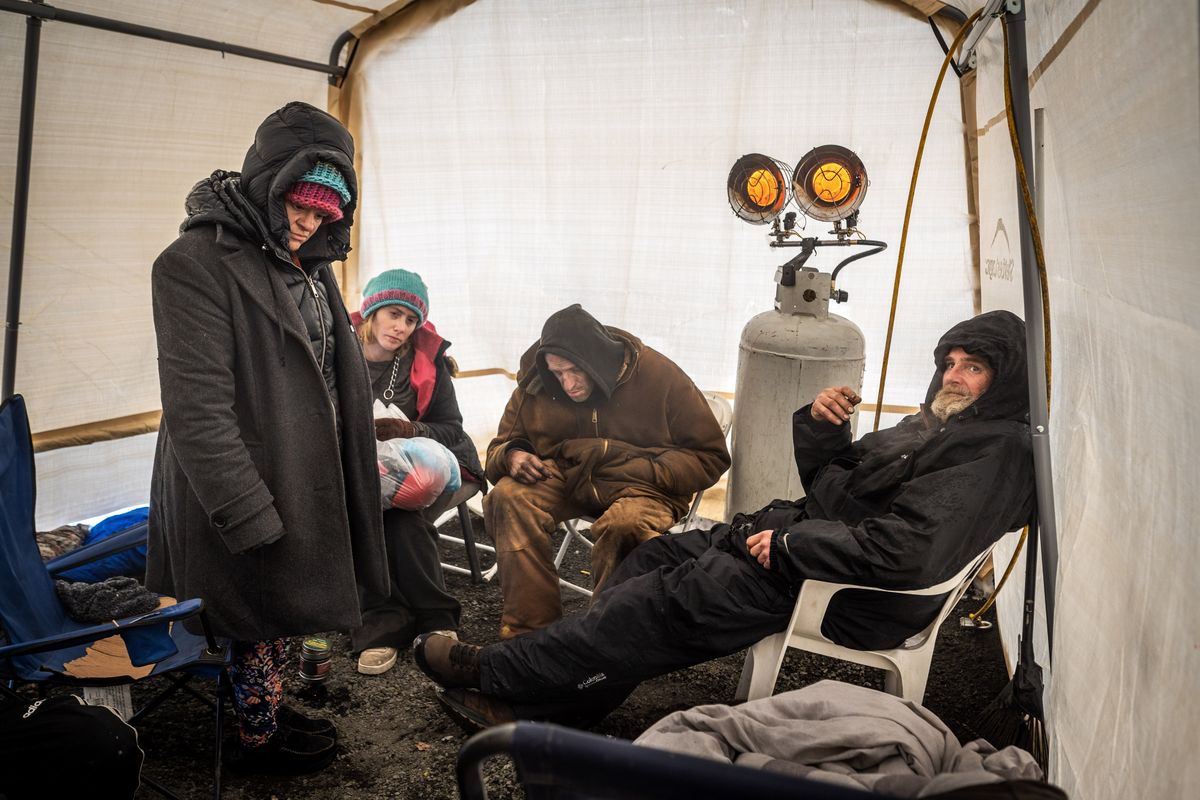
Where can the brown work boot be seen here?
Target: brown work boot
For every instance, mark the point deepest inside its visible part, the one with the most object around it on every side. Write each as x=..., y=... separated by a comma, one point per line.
x=449, y=662
x=474, y=711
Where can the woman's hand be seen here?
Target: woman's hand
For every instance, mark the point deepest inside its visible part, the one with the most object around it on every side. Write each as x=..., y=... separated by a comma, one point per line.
x=388, y=428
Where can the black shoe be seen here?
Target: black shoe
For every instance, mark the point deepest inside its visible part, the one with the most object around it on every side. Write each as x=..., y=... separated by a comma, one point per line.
x=449, y=662
x=474, y=711
x=287, y=752
x=289, y=717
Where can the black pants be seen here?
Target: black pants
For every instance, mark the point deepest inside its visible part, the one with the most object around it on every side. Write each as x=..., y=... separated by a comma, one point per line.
x=677, y=600
x=60, y=747
x=418, y=600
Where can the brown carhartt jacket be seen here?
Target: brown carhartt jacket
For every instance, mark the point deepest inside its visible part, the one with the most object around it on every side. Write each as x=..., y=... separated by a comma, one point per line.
x=653, y=436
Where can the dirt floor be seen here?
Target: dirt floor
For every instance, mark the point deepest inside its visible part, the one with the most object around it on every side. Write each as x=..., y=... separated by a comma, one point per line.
x=395, y=742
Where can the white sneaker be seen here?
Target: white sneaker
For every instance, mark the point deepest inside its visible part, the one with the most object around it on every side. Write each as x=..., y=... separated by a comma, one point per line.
x=376, y=660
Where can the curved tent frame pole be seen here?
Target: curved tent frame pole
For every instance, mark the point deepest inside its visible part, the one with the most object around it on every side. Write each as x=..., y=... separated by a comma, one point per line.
x=36, y=11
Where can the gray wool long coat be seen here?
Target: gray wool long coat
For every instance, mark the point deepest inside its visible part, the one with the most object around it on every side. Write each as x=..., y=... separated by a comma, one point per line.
x=255, y=507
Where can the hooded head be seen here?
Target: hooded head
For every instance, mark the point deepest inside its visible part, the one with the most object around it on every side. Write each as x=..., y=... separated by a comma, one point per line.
x=999, y=338
x=577, y=336
x=300, y=145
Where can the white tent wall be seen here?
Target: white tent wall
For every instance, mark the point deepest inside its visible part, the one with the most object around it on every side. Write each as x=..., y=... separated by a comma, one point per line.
x=523, y=156
x=1119, y=82
x=123, y=127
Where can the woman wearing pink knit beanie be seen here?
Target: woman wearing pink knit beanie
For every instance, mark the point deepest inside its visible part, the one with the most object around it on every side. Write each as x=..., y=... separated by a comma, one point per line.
x=265, y=494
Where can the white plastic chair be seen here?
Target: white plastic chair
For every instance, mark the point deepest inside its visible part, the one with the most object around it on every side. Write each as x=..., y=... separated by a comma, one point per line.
x=575, y=527
x=906, y=667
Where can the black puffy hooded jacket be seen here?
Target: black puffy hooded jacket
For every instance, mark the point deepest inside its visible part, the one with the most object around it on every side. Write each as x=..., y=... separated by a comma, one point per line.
x=907, y=507
x=250, y=205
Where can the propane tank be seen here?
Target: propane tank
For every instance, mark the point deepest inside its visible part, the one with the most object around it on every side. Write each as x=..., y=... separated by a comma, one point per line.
x=785, y=358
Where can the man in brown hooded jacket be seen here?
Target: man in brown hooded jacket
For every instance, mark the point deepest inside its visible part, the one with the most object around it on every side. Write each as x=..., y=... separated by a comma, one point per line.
x=602, y=425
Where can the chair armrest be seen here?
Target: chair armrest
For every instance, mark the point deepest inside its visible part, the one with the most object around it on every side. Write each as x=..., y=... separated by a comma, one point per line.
x=94, y=552
x=188, y=608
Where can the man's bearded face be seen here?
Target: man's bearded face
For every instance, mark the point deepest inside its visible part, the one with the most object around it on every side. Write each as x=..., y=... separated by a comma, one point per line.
x=964, y=379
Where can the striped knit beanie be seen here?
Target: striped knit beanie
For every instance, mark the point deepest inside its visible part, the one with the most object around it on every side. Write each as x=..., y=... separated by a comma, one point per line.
x=396, y=287
x=323, y=189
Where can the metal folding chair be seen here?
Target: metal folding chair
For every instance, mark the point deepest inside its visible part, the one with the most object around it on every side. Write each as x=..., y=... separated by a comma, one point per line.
x=461, y=503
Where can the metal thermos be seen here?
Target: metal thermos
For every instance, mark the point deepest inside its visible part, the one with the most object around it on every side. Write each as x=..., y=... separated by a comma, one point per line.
x=315, y=655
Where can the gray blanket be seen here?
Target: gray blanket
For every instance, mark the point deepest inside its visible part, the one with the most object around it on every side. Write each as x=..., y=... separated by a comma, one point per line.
x=842, y=734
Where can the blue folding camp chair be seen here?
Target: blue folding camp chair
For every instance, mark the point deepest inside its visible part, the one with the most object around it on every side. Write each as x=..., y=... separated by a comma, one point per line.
x=45, y=646
x=566, y=764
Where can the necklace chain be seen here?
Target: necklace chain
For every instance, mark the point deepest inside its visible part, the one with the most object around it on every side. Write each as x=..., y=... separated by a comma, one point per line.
x=390, y=391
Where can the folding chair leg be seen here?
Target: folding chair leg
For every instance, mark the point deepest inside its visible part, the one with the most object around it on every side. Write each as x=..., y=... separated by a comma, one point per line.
x=177, y=682
x=222, y=687
x=180, y=682
x=468, y=534
x=572, y=534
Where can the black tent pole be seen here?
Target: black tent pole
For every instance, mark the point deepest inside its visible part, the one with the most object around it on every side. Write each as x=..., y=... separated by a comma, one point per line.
x=16, y=260
x=1039, y=412
x=38, y=9
x=35, y=11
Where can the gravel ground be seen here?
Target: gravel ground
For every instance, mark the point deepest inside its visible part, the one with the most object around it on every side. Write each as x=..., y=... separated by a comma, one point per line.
x=395, y=742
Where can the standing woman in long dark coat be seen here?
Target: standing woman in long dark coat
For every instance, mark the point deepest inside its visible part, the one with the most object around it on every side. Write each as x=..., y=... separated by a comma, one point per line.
x=265, y=498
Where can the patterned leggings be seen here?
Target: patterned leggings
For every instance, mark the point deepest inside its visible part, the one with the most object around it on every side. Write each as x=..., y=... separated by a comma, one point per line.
x=257, y=678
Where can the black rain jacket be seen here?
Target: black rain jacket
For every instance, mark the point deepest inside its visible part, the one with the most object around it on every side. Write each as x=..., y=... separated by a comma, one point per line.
x=907, y=507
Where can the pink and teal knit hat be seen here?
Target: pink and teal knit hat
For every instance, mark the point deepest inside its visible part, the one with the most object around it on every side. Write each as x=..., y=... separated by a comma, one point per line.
x=323, y=189
x=396, y=287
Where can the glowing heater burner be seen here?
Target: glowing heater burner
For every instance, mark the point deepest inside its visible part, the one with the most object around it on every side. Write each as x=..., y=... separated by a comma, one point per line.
x=829, y=183
x=757, y=187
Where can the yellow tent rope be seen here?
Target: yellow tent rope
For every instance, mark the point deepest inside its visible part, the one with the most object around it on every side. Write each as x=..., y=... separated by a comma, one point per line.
x=912, y=190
